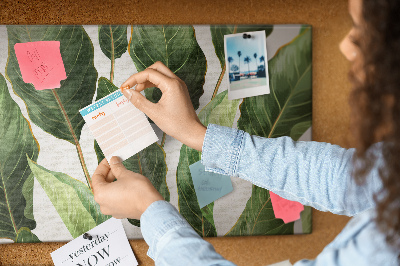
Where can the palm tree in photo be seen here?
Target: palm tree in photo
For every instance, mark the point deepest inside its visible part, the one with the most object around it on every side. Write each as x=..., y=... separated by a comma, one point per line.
x=261, y=68
x=262, y=59
x=255, y=57
x=239, y=54
x=247, y=60
x=230, y=60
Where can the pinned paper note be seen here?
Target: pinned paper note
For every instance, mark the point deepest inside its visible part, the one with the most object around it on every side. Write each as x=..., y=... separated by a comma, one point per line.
x=41, y=63
x=209, y=186
x=108, y=246
x=284, y=209
x=118, y=126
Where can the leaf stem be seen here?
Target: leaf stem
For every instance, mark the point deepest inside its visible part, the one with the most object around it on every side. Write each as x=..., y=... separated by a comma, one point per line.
x=112, y=56
x=219, y=82
x=78, y=146
x=222, y=73
x=163, y=139
x=9, y=209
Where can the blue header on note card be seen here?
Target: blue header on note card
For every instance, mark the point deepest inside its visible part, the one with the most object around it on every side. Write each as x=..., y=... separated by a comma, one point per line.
x=101, y=102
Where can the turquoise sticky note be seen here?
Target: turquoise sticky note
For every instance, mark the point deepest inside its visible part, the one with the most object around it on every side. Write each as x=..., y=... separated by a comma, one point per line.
x=209, y=186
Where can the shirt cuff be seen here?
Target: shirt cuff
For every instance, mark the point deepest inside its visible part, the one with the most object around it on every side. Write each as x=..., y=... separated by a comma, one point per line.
x=159, y=218
x=221, y=149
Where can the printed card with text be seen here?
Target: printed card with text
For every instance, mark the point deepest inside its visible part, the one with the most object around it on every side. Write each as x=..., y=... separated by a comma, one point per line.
x=118, y=126
x=109, y=246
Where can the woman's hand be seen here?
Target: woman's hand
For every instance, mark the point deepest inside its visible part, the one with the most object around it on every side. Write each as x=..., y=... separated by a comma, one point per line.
x=174, y=113
x=127, y=197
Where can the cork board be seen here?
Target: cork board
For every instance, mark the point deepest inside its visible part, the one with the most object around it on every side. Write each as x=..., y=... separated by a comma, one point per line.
x=330, y=93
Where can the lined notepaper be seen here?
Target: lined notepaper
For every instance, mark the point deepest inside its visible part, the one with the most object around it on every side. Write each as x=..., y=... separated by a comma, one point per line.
x=118, y=126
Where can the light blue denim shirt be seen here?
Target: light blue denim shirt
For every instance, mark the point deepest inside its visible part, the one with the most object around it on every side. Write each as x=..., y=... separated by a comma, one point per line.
x=312, y=173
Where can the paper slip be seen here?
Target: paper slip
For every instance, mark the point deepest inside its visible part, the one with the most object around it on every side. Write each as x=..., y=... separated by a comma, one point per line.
x=288, y=211
x=118, y=126
x=41, y=63
x=282, y=263
x=209, y=186
x=109, y=246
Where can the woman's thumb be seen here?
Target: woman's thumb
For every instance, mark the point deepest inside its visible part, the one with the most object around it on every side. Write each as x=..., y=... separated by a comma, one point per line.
x=138, y=100
x=117, y=167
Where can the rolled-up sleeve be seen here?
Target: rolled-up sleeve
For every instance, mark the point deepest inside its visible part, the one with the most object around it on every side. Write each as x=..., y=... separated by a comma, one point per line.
x=312, y=173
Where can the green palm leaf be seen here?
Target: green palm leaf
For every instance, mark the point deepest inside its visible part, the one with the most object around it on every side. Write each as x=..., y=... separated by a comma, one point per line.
x=113, y=42
x=16, y=184
x=72, y=199
x=177, y=48
x=289, y=102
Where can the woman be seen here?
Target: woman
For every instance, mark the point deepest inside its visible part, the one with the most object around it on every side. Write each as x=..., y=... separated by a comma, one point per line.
x=360, y=182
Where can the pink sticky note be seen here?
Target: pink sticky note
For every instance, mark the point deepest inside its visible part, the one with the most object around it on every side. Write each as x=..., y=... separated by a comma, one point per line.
x=284, y=209
x=41, y=63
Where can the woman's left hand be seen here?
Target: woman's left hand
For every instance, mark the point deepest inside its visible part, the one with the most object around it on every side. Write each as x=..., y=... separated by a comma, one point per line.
x=128, y=196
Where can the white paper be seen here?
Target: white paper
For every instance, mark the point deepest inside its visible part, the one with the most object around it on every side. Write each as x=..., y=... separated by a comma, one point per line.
x=282, y=263
x=118, y=126
x=109, y=246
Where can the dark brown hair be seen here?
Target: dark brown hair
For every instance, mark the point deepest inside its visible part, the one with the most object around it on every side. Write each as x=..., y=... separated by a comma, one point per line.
x=375, y=103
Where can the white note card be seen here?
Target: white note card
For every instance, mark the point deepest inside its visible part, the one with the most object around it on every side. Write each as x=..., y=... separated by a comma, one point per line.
x=108, y=247
x=118, y=126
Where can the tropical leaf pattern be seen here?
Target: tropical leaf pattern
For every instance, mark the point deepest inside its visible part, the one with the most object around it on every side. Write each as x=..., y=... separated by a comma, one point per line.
x=286, y=111
x=177, y=48
x=75, y=205
x=16, y=181
x=113, y=42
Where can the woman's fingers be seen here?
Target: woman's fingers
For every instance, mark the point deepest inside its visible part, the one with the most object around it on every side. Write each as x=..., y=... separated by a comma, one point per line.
x=153, y=76
x=142, y=86
x=110, y=177
x=100, y=174
x=160, y=67
x=140, y=102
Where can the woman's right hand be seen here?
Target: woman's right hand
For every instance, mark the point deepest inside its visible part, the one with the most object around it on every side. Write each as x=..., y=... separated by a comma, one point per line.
x=174, y=113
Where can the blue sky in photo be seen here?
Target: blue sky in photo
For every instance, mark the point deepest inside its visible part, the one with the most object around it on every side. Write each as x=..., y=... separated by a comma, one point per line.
x=248, y=47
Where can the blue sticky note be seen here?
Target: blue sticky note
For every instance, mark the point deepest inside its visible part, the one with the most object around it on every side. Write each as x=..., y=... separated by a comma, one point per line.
x=209, y=186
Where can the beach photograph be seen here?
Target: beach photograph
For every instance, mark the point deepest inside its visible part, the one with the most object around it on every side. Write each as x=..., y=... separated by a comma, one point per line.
x=247, y=68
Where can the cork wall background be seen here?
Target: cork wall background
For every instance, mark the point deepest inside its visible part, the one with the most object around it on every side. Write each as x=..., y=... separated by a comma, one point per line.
x=330, y=22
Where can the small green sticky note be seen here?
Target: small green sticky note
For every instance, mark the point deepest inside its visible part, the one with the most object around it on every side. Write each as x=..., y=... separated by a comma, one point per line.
x=209, y=186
